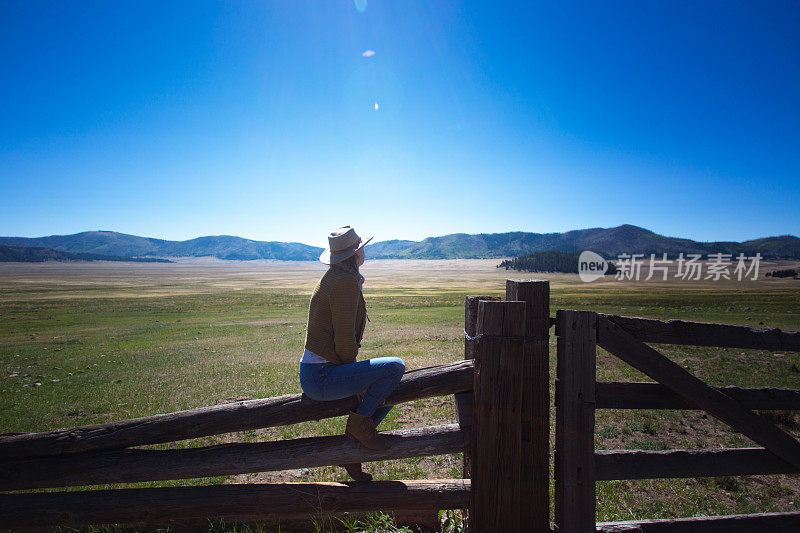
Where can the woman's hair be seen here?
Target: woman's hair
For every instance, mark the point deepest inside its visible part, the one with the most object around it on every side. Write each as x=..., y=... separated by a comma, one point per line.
x=350, y=264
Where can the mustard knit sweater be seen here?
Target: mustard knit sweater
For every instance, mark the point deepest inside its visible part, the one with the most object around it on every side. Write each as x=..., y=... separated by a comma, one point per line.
x=336, y=317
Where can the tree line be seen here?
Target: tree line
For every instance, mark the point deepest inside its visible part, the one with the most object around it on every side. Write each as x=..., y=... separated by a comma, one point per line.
x=552, y=261
x=787, y=273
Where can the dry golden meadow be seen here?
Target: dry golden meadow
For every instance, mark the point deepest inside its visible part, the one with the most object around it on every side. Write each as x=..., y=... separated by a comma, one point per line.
x=84, y=343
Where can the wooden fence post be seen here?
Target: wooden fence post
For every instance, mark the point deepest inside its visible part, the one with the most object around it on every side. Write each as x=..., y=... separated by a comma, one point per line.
x=464, y=400
x=496, y=435
x=535, y=512
x=574, y=457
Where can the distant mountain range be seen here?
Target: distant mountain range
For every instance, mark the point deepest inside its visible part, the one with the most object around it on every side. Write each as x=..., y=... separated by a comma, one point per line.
x=37, y=254
x=122, y=244
x=606, y=241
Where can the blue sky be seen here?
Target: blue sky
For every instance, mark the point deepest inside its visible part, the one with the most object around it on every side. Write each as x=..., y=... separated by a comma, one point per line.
x=181, y=119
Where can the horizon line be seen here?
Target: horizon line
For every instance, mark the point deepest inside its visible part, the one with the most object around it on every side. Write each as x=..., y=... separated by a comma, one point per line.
x=395, y=239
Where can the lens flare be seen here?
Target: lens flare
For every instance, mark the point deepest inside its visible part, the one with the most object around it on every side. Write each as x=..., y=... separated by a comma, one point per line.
x=361, y=5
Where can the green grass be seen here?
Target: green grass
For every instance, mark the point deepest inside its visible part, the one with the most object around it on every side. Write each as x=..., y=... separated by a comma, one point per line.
x=69, y=361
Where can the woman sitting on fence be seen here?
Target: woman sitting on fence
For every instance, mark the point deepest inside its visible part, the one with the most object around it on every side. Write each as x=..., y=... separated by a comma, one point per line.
x=336, y=319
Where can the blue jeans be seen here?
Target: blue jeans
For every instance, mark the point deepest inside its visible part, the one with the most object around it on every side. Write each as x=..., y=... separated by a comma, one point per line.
x=329, y=381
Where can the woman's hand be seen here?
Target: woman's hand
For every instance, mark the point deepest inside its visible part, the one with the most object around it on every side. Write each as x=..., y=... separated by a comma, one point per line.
x=360, y=395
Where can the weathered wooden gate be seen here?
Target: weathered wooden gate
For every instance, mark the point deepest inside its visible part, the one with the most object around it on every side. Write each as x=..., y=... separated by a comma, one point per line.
x=578, y=466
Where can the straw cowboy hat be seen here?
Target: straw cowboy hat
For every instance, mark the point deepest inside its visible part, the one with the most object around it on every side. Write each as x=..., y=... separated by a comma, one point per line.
x=342, y=243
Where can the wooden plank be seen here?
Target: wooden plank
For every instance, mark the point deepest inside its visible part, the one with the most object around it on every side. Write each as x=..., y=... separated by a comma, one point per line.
x=464, y=401
x=575, y=499
x=660, y=368
x=485, y=376
x=646, y=464
x=535, y=412
x=228, y=502
x=497, y=427
x=471, y=322
x=707, y=334
x=238, y=416
x=751, y=523
x=134, y=465
x=622, y=395
x=508, y=461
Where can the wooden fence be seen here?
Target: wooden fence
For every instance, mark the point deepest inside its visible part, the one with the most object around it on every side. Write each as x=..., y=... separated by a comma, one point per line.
x=502, y=401
x=104, y=453
x=578, y=465
x=509, y=418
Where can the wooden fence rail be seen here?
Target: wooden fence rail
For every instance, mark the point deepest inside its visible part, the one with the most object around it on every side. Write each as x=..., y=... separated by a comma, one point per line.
x=620, y=395
x=134, y=465
x=706, y=334
x=226, y=418
x=233, y=503
x=646, y=464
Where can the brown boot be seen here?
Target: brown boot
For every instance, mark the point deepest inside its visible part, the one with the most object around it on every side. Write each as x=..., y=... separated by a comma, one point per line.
x=362, y=429
x=355, y=471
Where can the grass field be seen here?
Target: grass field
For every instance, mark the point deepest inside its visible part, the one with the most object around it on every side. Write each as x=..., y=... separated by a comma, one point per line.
x=85, y=343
